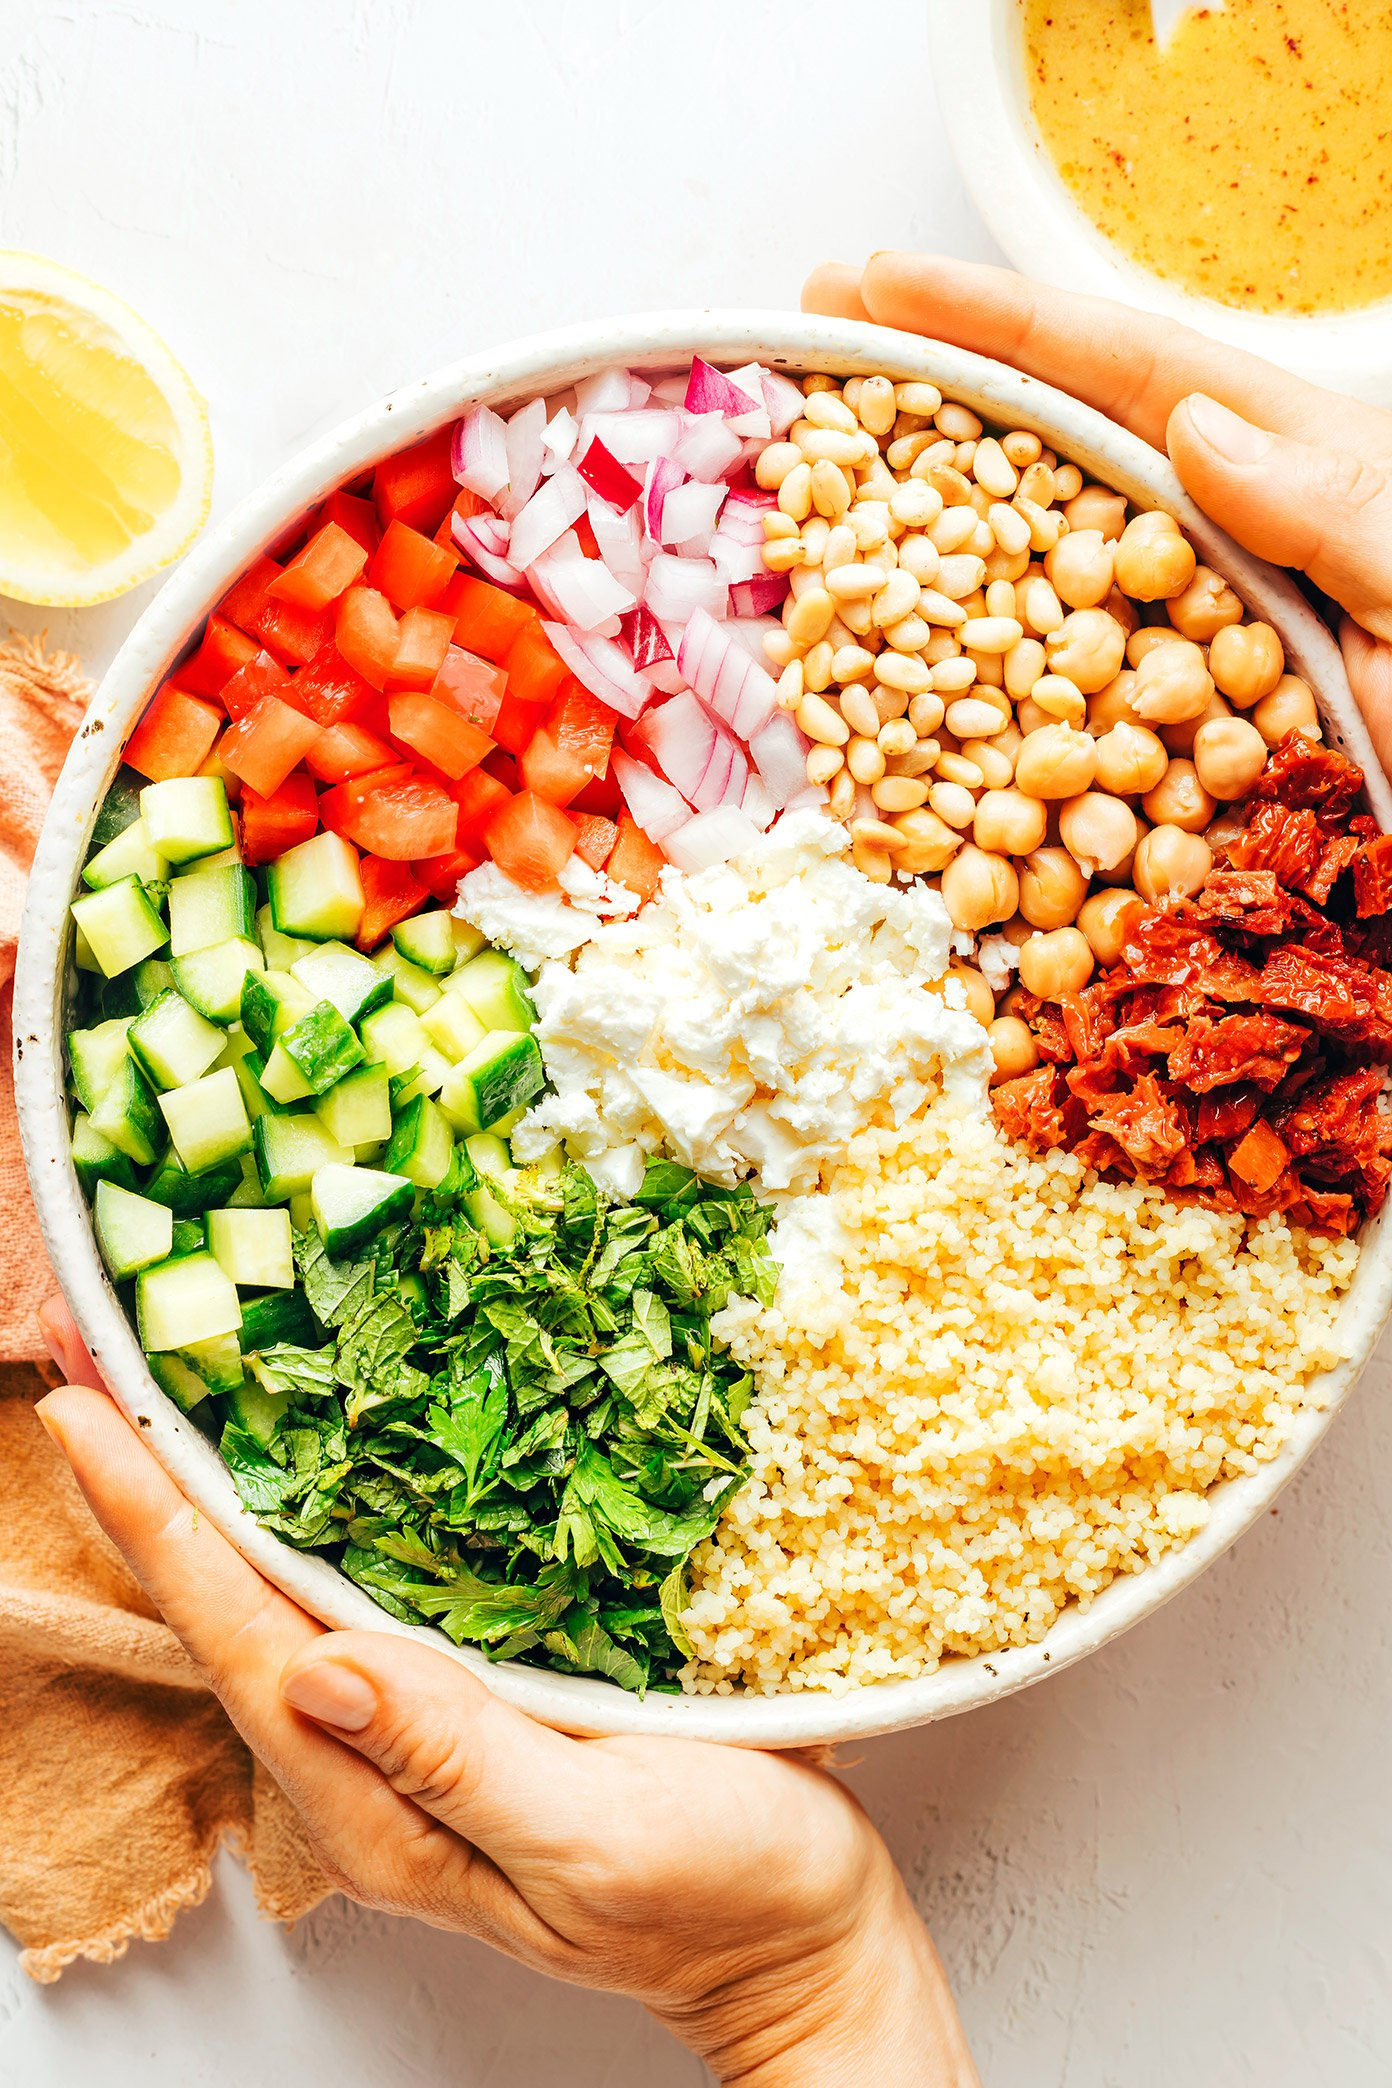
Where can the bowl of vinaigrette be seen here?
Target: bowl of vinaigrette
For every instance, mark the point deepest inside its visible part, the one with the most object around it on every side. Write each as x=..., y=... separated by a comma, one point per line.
x=1239, y=179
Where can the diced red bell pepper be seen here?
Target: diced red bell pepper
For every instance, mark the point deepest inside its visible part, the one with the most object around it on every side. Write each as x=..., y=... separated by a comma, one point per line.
x=405, y=819
x=175, y=736
x=346, y=750
x=486, y=619
x=355, y=514
x=421, y=651
x=290, y=632
x=250, y=683
x=436, y=732
x=272, y=824
x=531, y=841
x=441, y=874
x=367, y=634
x=331, y=561
x=267, y=743
x=571, y=747
x=504, y=768
x=409, y=569
x=478, y=796
x=474, y=687
x=417, y=485
x=635, y=861
x=535, y=670
x=585, y=536
x=223, y=651
x=465, y=505
x=516, y=723
x=600, y=794
x=594, y=838
x=392, y=894
x=331, y=691
x=339, y=807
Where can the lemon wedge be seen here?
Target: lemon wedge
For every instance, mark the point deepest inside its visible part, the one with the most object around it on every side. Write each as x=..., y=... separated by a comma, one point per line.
x=106, y=460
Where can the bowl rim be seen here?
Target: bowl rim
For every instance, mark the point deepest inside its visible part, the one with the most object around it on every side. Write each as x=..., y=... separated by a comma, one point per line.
x=1035, y=219
x=798, y=1717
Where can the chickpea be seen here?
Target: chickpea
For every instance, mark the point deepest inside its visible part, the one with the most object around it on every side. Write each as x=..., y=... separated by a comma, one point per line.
x=1016, y=930
x=1171, y=863
x=1123, y=609
x=1052, y=888
x=978, y=887
x=1057, y=761
x=1289, y=708
x=1179, y=739
x=1130, y=760
x=1112, y=705
x=1088, y=647
x=1012, y=1047
x=1153, y=561
x=1104, y=919
x=1057, y=963
x=1172, y=683
x=1099, y=832
x=1202, y=609
x=1120, y=873
x=1097, y=507
x=1179, y=799
x=1246, y=661
x=930, y=845
x=1145, y=638
x=1080, y=568
x=1229, y=755
x=981, y=1002
x=1009, y=823
x=1030, y=718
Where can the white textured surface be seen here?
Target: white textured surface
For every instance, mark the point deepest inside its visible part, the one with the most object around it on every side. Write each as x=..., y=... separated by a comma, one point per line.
x=1171, y=1862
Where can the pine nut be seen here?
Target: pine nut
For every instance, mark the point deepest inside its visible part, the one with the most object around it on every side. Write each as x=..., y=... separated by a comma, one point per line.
x=1060, y=697
x=864, y=760
x=915, y=504
x=779, y=648
x=1009, y=528
x=815, y=531
x=920, y=556
x=909, y=635
x=869, y=524
x=876, y=405
x=826, y=410
x=807, y=620
x=993, y=470
x=830, y=493
x=790, y=686
x=896, y=737
x=958, y=422
x=1043, y=611
x=1022, y=449
x=795, y=493
x=889, y=703
x=856, y=618
x=858, y=709
x=784, y=553
x=841, y=803
x=896, y=599
x=918, y=762
x=954, y=677
x=831, y=446
x=952, y=802
x=960, y=576
x=850, y=663
x=1000, y=597
x=918, y=397
x=874, y=833
x=1037, y=483
x=871, y=862
x=839, y=549
x=935, y=608
x=906, y=671
x=823, y=763
x=971, y=717
x=1068, y=481
x=774, y=463
x=990, y=634
x=952, y=528
x=856, y=583
x=822, y=723
x=777, y=524
x=899, y=793
x=816, y=667
x=926, y=713
x=817, y=381
x=959, y=768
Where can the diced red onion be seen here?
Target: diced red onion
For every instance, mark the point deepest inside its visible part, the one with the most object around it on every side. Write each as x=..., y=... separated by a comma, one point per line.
x=709, y=390
x=612, y=481
x=750, y=381
x=756, y=804
x=560, y=435
x=636, y=438
x=603, y=667
x=581, y=590
x=780, y=755
x=478, y=453
x=710, y=838
x=811, y=798
x=678, y=586
x=725, y=780
x=620, y=541
x=751, y=631
x=558, y=502
x=784, y=400
x=663, y=477
x=610, y=391
x=689, y=512
x=725, y=676
x=670, y=391
x=736, y=563
x=476, y=536
x=682, y=737
x=744, y=514
x=708, y=448
x=756, y=597
x=645, y=638
x=525, y=456
x=656, y=807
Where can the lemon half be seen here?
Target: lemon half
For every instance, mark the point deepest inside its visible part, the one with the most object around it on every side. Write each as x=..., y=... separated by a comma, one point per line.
x=106, y=460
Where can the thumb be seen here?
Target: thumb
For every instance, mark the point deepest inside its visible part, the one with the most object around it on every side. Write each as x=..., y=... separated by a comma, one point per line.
x=1321, y=510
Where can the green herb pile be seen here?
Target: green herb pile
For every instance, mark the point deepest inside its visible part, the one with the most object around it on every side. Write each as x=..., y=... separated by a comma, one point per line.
x=523, y=1444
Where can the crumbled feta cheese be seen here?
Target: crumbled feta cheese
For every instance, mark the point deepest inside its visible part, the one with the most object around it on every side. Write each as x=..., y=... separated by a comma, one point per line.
x=537, y=926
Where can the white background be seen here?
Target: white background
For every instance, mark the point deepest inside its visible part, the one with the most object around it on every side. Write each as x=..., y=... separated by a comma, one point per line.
x=1173, y=1863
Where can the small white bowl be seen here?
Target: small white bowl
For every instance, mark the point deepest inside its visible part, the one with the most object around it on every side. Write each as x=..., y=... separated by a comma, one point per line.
x=548, y=363
x=978, y=66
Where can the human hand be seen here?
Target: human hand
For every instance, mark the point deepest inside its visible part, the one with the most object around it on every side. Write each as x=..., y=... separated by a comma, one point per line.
x=1298, y=475
x=744, y=1897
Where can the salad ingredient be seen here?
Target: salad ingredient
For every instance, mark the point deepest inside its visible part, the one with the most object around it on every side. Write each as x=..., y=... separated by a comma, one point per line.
x=750, y=1018
x=1018, y=1383
x=108, y=457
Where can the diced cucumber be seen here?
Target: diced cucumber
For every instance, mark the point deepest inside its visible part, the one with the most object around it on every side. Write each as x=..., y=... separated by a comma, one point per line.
x=183, y=1301
x=421, y=1144
x=453, y=1026
x=131, y=854
x=322, y=1047
x=132, y=1232
x=189, y=1236
x=302, y=1210
x=96, y=1056
x=120, y=924
x=119, y=808
x=427, y=939
x=281, y=950
x=211, y=980
x=207, y=1120
x=211, y=905
x=187, y=817
x=393, y=1036
x=173, y=1043
x=271, y=1002
x=281, y=1079
x=187, y=1375
x=117, y=998
x=83, y=956
x=256, y=1410
x=499, y=1074
x=290, y=1150
x=315, y=890
x=506, y=1125
x=253, y=1247
x=357, y=1109
x=225, y=857
x=187, y=1195
x=129, y=1116
x=495, y=986
x=248, y=1195
x=490, y=1158
x=96, y=1159
x=345, y=978
x=468, y=940
x=353, y=1204
x=279, y=1316
x=177, y=1380
x=246, y=1062
x=151, y=979
x=415, y=987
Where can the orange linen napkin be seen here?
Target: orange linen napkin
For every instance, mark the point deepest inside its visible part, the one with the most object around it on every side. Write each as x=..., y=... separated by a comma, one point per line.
x=120, y=1776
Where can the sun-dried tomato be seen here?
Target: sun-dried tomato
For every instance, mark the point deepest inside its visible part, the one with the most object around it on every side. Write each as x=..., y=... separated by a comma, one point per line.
x=1149, y=1127
x=1251, y=900
x=1028, y=1109
x=1285, y=841
x=1310, y=984
x=1225, y=1115
x=1258, y=1048
x=1372, y=876
x=1258, y=1158
x=1303, y=773
x=1337, y=855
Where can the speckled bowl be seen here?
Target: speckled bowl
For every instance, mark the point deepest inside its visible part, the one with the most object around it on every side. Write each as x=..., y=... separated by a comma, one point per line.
x=167, y=629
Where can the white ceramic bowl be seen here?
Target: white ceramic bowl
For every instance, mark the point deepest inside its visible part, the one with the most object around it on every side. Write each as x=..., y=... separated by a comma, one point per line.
x=164, y=632
x=978, y=67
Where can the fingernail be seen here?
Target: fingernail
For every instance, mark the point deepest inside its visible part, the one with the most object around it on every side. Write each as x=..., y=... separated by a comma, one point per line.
x=335, y=1694
x=43, y=1419
x=1227, y=432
